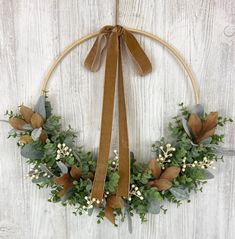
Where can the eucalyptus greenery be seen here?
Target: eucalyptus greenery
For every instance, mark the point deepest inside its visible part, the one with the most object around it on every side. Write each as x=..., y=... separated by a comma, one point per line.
x=56, y=155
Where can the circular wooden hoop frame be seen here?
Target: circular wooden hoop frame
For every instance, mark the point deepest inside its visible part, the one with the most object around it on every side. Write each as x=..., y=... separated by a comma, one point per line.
x=172, y=50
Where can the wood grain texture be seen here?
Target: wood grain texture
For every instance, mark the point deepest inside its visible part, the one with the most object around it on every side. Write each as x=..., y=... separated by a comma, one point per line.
x=32, y=33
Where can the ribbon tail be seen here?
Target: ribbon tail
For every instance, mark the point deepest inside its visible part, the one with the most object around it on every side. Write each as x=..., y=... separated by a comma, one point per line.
x=107, y=117
x=108, y=212
x=93, y=59
x=140, y=58
x=124, y=155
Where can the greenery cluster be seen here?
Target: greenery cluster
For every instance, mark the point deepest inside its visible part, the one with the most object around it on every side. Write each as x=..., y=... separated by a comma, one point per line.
x=46, y=167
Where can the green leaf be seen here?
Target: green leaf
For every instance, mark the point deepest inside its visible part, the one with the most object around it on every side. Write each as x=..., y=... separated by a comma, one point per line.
x=154, y=207
x=48, y=108
x=225, y=151
x=53, y=125
x=152, y=194
x=206, y=141
x=67, y=195
x=112, y=183
x=62, y=167
x=89, y=186
x=69, y=140
x=208, y=174
x=40, y=106
x=186, y=128
x=129, y=221
x=90, y=211
x=44, y=168
x=179, y=193
x=41, y=180
x=27, y=127
x=31, y=153
x=36, y=133
x=199, y=110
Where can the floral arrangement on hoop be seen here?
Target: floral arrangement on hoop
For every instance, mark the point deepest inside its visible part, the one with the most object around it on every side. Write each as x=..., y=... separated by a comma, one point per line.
x=179, y=166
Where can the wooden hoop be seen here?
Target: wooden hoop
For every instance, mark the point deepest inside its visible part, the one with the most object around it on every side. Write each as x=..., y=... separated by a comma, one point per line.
x=172, y=50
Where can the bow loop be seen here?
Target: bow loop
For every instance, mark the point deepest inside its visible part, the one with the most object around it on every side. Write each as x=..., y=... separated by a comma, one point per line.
x=93, y=59
x=138, y=55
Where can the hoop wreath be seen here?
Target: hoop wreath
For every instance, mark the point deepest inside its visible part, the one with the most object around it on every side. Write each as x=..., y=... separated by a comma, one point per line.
x=117, y=185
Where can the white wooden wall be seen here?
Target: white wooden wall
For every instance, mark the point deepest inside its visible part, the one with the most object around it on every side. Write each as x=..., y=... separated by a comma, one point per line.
x=33, y=32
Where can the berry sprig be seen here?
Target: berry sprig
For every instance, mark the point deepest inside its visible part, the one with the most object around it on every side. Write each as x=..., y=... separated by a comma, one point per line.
x=115, y=161
x=165, y=155
x=63, y=151
x=37, y=173
x=134, y=191
x=206, y=163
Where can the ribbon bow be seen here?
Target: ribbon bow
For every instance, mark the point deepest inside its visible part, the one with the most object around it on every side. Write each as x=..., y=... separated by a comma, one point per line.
x=111, y=37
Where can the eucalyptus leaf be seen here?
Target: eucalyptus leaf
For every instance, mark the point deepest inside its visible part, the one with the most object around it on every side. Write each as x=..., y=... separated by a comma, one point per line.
x=36, y=133
x=132, y=156
x=112, y=183
x=195, y=154
x=69, y=141
x=63, y=167
x=157, y=143
x=40, y=180
x=129, y=221
x=88, y=187
x=154, y=207
x=67, y=195
x=185, y=126
x=48, y=109
x=27, y=127
x=180, y=193
x=31, y=153
x=17, y=131
x=189, y=159
x=206, y=141
x=216, y=147
x=199, y=110
x=45, y=169
x=90, y=211
x=40, y=106
x=208, y=174
x=225, y=151
x=194, y=144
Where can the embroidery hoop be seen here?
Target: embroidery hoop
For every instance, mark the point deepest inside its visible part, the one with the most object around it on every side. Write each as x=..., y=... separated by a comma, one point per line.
x=156, y=38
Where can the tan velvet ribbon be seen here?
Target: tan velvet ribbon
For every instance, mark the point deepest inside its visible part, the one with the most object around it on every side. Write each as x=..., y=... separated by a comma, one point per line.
x=113, y=37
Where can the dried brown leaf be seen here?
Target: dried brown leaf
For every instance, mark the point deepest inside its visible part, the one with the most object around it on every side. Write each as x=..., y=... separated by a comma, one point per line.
x=62, y=192
x=115, y=201
x=43, y=137
x=162, y=184
x=154, y=166
x=66, y=181
x=170, y=173
x=210, y=122
x=17, y=123
x=108, y=211
x=26, y=139
x=195, y=124
x=76, y=172
x=151, y=183
x=26, y=113
x=36, y=120
x=90, y=175
x=205, y=135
